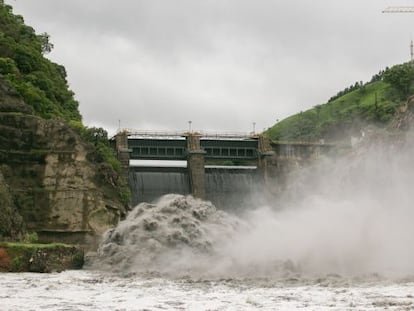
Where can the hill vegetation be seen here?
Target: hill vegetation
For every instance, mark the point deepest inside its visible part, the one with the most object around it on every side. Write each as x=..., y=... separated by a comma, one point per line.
x=350, y=110
x=39, y=118
x=41, y=82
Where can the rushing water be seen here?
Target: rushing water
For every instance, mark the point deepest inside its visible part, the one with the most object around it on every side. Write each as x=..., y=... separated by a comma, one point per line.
x=232, y=188
x=228, y=188
x=147, y=186
x=91, y=290
x=340, y=238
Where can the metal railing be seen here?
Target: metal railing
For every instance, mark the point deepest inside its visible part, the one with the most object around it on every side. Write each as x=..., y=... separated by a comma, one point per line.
x=178, y=134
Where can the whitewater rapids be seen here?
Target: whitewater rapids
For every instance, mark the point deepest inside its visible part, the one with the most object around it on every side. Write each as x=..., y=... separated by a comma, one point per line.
x=339, y=238
x=95, y=290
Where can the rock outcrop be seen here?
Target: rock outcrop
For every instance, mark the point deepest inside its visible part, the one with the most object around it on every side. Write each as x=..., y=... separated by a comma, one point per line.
x=53, y=179
x=20, y=257
x=404, y=118
x=11, y=223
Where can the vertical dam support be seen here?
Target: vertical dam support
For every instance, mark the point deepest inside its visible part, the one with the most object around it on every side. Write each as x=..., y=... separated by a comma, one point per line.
x=195, y=166
x=265, y=152
x=122, y=150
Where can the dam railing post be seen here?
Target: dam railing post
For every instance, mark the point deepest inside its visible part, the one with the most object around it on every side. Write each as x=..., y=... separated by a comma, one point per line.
x=195, y=166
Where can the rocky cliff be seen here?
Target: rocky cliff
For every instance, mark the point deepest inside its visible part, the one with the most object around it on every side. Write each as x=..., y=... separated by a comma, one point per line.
x=404, y=118
x=11, y=223
x=51, y=178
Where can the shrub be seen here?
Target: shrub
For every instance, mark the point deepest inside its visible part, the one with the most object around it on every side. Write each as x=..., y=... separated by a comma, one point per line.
x=30, y=237
x=7, y=65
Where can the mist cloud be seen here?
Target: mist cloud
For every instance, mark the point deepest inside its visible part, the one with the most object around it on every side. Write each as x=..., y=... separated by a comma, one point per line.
x=349, y=216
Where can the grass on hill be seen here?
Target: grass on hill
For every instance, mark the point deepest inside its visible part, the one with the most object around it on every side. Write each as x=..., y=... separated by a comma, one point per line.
x=350, y=110
x=23, y=245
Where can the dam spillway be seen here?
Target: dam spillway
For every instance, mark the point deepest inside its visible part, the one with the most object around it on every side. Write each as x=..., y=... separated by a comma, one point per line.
x=149, y=183
x=228, y=187
x=231, y=187
x=221, y=185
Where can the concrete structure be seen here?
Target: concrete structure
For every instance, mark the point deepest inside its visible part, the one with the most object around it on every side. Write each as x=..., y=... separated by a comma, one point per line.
x=177, y=147
x=195, y=165
x=197, y=149
x=300, y=151
x=122, y=151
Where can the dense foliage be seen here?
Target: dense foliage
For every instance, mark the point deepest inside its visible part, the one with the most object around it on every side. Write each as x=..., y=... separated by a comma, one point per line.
x=401, y=78
x=98, y=137
x=43, y=85
x=40, y=82
x=350, y=110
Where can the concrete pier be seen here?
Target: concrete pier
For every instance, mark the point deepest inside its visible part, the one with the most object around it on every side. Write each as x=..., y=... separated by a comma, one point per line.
x=195, y=166
x=123, y=153
x=265, y=152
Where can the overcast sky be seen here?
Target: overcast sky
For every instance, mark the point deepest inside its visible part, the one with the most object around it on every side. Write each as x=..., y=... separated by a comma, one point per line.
x=223, y=64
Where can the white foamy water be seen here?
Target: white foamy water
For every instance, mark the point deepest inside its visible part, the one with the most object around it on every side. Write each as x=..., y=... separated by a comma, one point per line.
x=340, y=238
x=350, y=216
x=92, y=290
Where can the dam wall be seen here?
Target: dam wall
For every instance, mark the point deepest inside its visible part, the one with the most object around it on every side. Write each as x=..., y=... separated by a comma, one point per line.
x=226, y=187
x=229, y=170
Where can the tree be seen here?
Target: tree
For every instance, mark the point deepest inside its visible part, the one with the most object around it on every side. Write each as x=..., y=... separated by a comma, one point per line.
x=400, y=77
x=45, y=44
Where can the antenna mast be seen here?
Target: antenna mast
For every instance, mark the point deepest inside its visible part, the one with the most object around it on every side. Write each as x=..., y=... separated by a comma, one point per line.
x=403, y=9
x=412, y=51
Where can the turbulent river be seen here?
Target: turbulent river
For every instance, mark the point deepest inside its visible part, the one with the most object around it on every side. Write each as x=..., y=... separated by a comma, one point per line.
x=340, y=237
x=92, y=290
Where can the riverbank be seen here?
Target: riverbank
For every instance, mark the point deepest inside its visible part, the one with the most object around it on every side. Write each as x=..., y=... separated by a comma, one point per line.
x=35, y=257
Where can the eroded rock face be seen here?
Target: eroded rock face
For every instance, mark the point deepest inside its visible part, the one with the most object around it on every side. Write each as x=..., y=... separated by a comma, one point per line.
x=11, y=223
x=54, y=182
x=405, y=116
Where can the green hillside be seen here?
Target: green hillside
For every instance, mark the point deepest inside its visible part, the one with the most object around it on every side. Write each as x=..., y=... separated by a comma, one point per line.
x=42, y=85
x=350, y=110
x=40, y=82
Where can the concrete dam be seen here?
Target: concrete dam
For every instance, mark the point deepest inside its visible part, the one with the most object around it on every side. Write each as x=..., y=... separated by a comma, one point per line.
x=224, y=186
x=226, y=169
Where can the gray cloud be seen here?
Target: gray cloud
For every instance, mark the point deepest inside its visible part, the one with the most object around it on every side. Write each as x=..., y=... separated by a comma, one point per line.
x=221, y=63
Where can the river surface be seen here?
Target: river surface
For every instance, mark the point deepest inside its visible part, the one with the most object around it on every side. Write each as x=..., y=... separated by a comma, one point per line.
x=93, y=290
x=340, y=237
